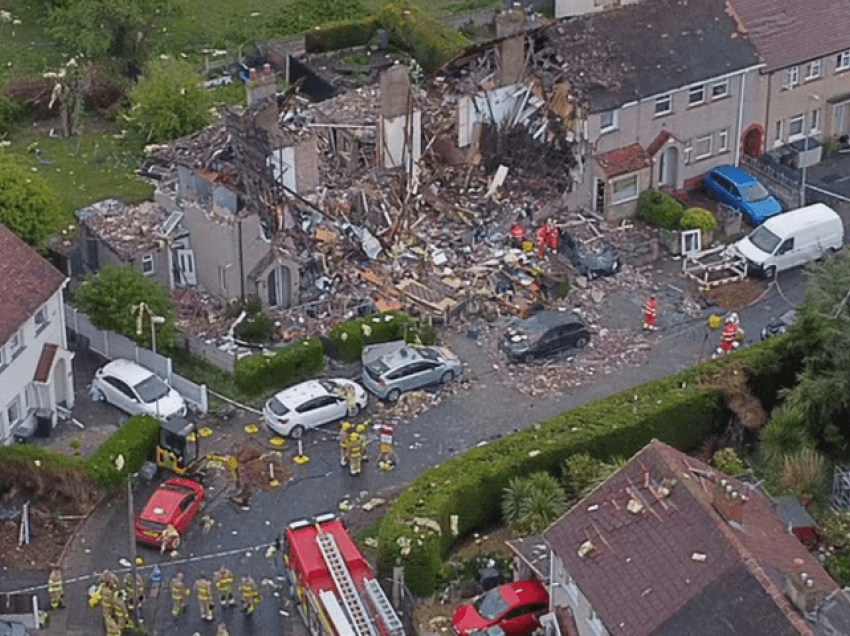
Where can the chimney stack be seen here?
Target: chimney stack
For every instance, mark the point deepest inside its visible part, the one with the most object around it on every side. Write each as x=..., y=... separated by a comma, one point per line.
x=260, y=85
x=511, y=22
x=801, y=590
x=729, y=502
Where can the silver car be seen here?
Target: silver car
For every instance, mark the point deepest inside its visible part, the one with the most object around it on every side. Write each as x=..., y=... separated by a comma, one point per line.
x=136, y=390
x=392, y=368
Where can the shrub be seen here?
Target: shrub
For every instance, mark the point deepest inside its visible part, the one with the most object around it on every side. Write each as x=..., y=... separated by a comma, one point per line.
x=10, y=113
x=342, y=34
x=581, y=473
x=284, y=367
x=531, y=503
x=803, y=472
x=698, y=219
x=430, y=42
x=257, y=329
x=726, y=460
x=135, y=442
x=659, y=209
x=350, y=337
x=784, y=434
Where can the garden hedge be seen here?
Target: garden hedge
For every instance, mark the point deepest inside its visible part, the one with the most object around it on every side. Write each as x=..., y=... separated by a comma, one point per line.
x=429, y=41
x=675, y=409
x=350, y=337
x=342, y=34
x=136, y=441
x=283, y=367
x=659, y=209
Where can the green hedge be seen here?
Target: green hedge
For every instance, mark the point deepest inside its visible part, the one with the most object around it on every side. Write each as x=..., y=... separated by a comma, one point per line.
x=350, y=337
x=136, y=441
x=659, y=209
x=430, y=42
x=675, y=409
x=342, y=34
x=284, y=367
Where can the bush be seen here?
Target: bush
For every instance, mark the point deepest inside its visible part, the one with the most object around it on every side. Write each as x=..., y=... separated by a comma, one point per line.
x=284, y=367
x=342, y=34
x=417, y=530
x=698, y=219
x=726, y=460
x=659, y=209
x=135, y=442
x=257, y=329
x=10, y=113
x=431, y=43
x=350, y=337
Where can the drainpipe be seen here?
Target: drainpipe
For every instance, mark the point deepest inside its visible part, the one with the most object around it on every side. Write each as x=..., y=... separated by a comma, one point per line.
x=738, y=140
x=241, y=261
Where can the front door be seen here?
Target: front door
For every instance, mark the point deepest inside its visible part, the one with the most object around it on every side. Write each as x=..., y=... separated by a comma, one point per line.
x=600, y=197
x=186, y=263
x=668, y=167
x=842, y=122
x=278, y=287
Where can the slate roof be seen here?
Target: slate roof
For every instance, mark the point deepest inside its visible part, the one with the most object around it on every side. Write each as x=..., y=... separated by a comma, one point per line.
x=624, y=160
x=788, y=32
x=27, y=281
x=646, y=576
x=649, y=48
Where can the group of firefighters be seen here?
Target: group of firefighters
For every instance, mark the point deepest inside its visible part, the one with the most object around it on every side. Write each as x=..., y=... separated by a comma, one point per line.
x=548, y=237
x=119, y=601
x=353, y=444
x=223, y=582
x=729, y=339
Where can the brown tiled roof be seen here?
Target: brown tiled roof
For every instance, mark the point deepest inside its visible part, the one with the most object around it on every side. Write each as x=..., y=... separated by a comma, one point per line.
x=646, y=572
x=624, y=160
x=48, y=354
x=662, y=138
x=27, y=281
x=788, y=32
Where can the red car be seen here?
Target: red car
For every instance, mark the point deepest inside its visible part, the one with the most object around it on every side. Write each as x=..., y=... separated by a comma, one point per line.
x=175, y=502
x=514, y=607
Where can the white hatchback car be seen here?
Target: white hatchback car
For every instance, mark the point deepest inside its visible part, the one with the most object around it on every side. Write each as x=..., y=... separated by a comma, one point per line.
x=311, y=404
x=136, y=390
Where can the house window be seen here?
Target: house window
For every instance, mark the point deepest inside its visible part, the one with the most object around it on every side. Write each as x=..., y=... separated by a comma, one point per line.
x=723, y=140
x=608, y=121
x=13, y=411
x=222, y=278
x=625, y=189
x=696, y=95
x=842, y=61
x=815, y=120
x=792, y=77
x=40, y=320
x=795, y=127
x=663, y=105
x=813, y=70
x=777, y=135
x=720, y=89
x=16, y=345
x=702, y=147
x=147, y=264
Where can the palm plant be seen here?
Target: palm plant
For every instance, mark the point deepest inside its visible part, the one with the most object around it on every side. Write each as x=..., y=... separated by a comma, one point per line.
x=784, y=434
x=531, y=503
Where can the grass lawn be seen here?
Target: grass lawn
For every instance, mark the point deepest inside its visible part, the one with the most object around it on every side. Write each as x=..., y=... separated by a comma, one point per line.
x=25, y=48
x=84, y=169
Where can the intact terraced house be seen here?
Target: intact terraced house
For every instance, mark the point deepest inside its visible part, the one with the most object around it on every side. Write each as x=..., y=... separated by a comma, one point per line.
x=36, y=381
x=668, y=546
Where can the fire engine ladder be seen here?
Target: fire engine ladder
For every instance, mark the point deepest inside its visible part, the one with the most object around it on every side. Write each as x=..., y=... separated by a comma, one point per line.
x=345, y=584
x=385, y=610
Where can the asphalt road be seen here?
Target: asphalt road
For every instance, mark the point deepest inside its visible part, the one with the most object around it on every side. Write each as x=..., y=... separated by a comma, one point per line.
x=487, y=410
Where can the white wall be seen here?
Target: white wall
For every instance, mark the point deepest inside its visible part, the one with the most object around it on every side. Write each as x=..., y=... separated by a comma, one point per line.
x=564, y=592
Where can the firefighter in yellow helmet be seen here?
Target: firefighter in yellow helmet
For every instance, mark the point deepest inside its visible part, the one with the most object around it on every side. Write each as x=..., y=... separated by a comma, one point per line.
x=344, y=441
x=179, y=594
x=250, y=594
x=203, y=592
x=170, y=539
x=355, y=456
x=223, y=579
x=55, y=589
x=134, y=593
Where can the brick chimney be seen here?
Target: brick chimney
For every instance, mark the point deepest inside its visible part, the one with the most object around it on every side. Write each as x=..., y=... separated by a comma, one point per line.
x=260, y=85
x=729, y=502
x=801, y=590
x=512, y=49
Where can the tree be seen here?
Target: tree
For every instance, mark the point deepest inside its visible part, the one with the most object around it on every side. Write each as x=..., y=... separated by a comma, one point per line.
x=169, y=102
x=531, y=503
x=28, y=205
x=108, y=299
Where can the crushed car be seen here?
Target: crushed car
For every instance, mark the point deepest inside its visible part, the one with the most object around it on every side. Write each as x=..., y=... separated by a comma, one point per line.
x=589, y=264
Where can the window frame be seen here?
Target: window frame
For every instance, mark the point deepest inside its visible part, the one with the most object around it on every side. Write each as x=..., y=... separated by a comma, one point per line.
x=811, y=66
x=842, y=61
x=801, y=119
x=701, y=140
x=614, y=123
x=616, y=182
x=815, y=121
x=15, y=344
x=697, y=89
x=15, y=403
x=792, y=76
x=722, y=134
x=660, y=100
x=148, y=265
x=725, y=84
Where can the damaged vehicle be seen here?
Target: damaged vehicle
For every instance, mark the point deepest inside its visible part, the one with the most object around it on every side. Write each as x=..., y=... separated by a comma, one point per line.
x=392, y=368
x=544, y=334
x=779, y=326
x=311, y=404
x=589, y=264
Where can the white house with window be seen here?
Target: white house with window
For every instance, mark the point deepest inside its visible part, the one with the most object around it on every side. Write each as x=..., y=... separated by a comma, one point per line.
x=36, y=378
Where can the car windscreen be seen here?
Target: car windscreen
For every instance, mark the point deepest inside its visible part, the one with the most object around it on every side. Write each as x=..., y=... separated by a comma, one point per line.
x=764, y=239
x=151, y=389
x=491, y=605
x=277, y=407
x=755, y=192
x=154, y=526
x=429, y=354
x=374, y=371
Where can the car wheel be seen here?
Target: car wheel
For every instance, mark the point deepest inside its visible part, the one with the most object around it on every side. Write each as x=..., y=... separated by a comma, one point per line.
x=393, y=395
x=528, y=358
x=354, y=410
x=770, y=273
x=296, y=432
x=581, y=343
x=448, y=376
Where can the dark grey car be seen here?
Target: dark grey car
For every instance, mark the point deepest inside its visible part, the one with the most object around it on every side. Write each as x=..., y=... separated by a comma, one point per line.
x=544, y=334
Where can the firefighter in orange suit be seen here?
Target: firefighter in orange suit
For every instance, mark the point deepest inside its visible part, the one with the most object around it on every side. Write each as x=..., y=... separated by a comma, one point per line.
x=650, y=313
x=729, y=339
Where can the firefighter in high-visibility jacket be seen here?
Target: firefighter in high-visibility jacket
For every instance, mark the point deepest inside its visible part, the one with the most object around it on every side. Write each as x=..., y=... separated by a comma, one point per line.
x=223, y=579
x=650, y=314
x=170, y=539
x=250, y=594
x=179, y=594
x=120, y=613
x=203, y=592
x=222, y=630
x=55, y=589
x=108, y=591
x=387, y=456
x=134, y=593
x=112, y=628
x=355, y=458
x=344, y=441
x=364, y=441
x=729, y=339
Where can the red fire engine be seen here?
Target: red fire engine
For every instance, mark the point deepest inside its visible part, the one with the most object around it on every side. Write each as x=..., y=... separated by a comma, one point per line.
x=336, y=592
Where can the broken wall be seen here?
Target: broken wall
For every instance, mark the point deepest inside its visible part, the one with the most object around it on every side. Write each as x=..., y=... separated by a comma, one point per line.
x=400, y=124
x=627, y=208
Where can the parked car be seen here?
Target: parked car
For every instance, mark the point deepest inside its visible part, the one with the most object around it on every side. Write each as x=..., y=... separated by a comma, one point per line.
x=589, y=264
x=779, y=326
x=136, y=390
x=742, y=191
x=513, y=607
x=391, y=368
x=311, y=404
x=175, y=502
x=544, y=334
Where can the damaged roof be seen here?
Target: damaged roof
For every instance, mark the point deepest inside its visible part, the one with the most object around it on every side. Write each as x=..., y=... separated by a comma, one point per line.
x=662, y=565
x=640, y=50
x=127, y=230
x=789, y=32
x=624, y=160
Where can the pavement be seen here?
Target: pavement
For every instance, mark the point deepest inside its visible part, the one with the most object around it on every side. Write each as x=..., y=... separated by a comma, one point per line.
x=483, y=408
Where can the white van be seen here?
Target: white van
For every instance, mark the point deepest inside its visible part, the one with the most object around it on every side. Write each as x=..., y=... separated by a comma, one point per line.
x=793, y=238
